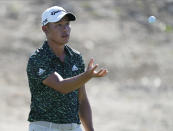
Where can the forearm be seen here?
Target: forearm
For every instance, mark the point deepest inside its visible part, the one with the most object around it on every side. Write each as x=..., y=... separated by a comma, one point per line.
x=73, y=83
x=85, y=114
x=65, y=86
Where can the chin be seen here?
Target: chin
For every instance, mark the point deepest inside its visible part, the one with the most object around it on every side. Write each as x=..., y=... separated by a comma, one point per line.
x=66, y=41
x=62, y=41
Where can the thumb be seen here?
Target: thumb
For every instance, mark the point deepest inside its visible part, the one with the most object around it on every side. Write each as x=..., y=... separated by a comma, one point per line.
x=90, y=64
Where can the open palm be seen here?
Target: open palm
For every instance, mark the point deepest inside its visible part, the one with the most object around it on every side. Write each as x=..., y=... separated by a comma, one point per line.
x=92, y=70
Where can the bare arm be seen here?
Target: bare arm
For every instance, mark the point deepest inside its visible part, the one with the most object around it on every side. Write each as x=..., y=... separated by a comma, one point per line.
x=65, y=86
x=85, y=112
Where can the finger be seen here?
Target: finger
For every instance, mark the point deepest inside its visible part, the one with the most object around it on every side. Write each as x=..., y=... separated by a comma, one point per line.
x=91, y=62
x=98, y=74
x=99, y=71
x=105, y=72
x=94, y=67
x=102, y=73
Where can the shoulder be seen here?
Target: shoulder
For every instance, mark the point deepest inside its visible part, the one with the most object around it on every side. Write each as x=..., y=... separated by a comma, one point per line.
x=37, y=57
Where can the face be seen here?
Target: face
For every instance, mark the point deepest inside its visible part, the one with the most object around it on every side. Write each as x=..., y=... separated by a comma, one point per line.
x=59, y=32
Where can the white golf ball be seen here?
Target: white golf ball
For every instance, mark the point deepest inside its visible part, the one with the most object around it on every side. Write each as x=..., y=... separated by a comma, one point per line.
x=151, y=19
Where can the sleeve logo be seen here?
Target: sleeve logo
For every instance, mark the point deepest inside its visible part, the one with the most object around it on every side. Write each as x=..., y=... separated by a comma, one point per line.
x=74, y=68
x=41, y=71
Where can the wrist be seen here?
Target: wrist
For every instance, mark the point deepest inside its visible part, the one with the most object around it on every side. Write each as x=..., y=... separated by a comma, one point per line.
x=87, y=75
x=90, y=129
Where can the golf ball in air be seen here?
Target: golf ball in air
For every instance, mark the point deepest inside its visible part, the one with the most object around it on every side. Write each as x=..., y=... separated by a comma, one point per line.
x=151, y=19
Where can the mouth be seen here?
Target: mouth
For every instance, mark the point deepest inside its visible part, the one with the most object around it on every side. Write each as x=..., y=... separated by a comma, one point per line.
x=65, y=36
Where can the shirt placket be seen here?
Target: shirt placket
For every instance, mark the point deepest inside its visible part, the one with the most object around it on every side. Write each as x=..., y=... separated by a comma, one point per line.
x=64, y=67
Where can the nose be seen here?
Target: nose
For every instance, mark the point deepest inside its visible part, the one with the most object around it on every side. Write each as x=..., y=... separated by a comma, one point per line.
x=66, y=28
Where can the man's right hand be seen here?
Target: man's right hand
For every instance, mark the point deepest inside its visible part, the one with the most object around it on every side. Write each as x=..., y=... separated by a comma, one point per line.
x=91, y=70
x=67, y=85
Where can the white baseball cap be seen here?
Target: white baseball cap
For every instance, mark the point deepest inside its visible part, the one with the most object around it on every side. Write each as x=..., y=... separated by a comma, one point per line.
x=55, y=14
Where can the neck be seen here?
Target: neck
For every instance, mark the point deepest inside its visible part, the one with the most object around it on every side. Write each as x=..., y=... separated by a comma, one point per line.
x=58, y=49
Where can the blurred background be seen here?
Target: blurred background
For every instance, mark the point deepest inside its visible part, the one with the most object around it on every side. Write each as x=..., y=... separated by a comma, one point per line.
x=137, y=93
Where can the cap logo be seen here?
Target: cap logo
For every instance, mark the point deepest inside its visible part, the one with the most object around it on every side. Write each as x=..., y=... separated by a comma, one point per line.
x=74, y=68
x=41, y=71
x=54, y=12
x=45, y=21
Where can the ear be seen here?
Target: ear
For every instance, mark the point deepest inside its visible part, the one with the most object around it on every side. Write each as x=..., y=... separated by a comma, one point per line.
x=44, y=29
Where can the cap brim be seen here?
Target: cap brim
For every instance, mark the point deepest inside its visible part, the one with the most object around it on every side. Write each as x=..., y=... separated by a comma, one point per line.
x=70, y=16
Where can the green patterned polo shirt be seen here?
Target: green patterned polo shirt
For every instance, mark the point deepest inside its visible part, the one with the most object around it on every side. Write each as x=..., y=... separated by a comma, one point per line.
x=48, y=104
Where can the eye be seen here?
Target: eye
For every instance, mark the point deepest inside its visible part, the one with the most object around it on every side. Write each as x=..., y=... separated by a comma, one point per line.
x=59, y=24
x=68, y=23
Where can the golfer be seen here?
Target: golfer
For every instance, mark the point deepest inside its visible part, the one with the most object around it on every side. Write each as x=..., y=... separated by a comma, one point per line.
x=57, y=76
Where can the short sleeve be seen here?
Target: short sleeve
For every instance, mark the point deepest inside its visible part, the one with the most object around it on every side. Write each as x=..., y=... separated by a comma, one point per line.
x=37, y=71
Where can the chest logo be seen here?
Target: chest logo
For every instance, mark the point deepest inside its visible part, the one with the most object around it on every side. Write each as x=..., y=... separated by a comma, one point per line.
x=41, y=71
x=74, y=68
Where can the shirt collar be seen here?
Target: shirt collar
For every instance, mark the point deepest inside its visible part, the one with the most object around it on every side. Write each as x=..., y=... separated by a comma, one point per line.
x=51, y=54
